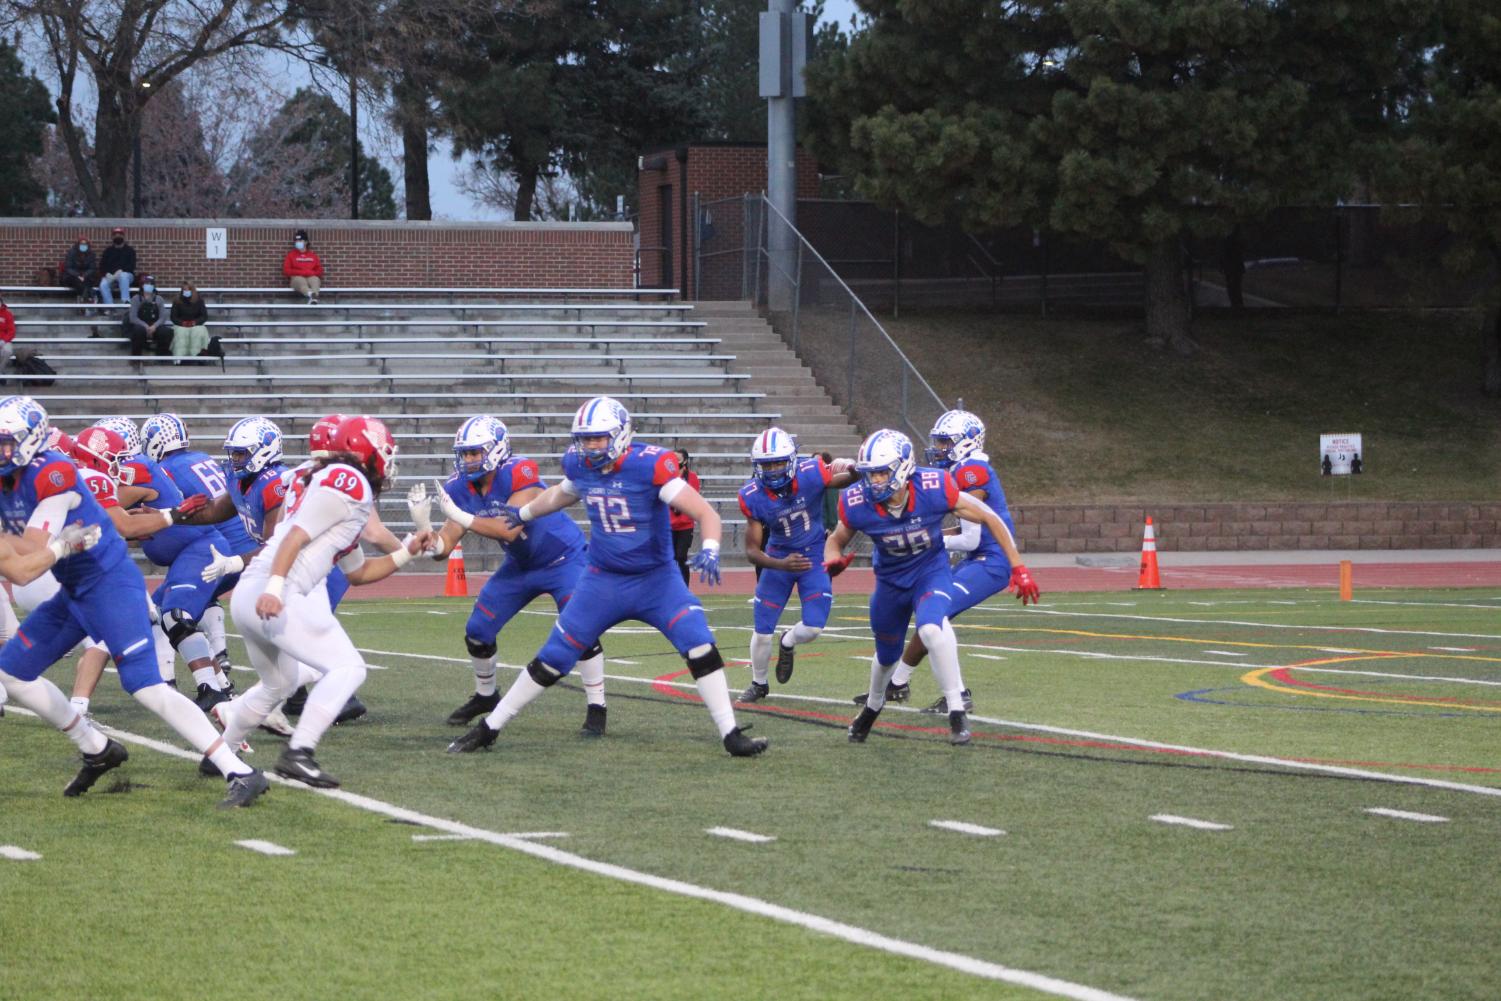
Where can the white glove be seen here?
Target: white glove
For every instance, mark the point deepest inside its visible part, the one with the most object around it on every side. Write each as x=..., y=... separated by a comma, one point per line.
x=452, y=511
x=74, y=539
x=841, y=465
x=421, y=507
x=222, y=566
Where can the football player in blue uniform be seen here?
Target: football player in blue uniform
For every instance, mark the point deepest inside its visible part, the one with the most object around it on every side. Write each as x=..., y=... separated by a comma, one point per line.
x=783, y=507
x=901, y=506
x=626, y=487
x=102, y=594
x=984, y=568
x=164, y=438
x=546, y=558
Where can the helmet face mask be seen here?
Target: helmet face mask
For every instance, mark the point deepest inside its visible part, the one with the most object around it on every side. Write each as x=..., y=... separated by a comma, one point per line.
x=956, y=436
x=481, y=446
x=162, y=434
x=23, y=432
x=101, y=449
x=774, y=458
x=251, y=445
x=885, y=464
x=601, y=432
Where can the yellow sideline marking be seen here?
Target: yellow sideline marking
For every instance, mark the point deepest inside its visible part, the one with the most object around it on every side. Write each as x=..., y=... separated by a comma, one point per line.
x=1257, y=679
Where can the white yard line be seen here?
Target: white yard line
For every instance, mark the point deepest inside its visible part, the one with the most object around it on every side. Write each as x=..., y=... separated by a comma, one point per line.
x=264, y=847
x=1426, y=818
x=16, y=854
x=1227, y=653
x=964, y=828
x=736, y=901
x=1454, y=649
x=987, y=656
x=441, y=837
x=1198, y=825
x=734, y=835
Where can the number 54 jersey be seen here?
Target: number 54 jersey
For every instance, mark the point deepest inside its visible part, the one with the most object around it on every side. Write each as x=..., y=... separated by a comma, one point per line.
x=794, y=517
x=909, y=543
x=628, y=528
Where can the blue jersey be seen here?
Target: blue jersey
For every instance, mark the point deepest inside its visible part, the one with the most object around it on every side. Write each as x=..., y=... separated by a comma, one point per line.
x=46, y=475
x=628, y=525
x=546, y=540
x=793, y=517
x=976, y=473
x=163, y=547
x=908, y=544
x=256, y=496
x=196, y=473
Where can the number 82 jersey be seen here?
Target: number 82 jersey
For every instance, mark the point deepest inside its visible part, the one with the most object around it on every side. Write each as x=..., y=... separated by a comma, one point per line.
x=909, y=543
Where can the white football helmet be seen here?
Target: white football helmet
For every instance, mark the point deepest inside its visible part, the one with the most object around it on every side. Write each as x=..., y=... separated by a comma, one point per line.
x=125, y=428
x=251, y=445
x=885, y=451
x=602, y=415
x=24, y=427
x=484, y=434
x=774, y=456
x=161, y=434
x=956, y=436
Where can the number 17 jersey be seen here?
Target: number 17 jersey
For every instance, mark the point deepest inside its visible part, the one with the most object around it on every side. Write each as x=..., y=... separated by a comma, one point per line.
x=794, y=516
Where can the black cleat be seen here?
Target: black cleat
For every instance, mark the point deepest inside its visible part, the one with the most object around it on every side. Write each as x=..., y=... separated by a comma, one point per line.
x=208, y=697
x=941, y=707
x=785, y=655
x=208, y=769
x=958, y=727
x=476, y=739
x=860, y=726
x=478, y=705
x=242, y=790
x=894, y=693
x=297, y=763
x=755, y=693
x=594, y=722
x=741, y=746
x=94, y=765
x=222, y=664
x=353, y=710
x=293, y=705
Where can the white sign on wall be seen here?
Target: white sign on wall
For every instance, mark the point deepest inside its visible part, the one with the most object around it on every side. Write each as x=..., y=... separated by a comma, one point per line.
x=1340, y=454
x=216, y=244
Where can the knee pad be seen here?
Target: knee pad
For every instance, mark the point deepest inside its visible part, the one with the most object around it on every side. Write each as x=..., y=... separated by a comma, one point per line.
x=178, y=625
x=479, y=648
x=706, y=664
x=596, y=650
x=542, y=674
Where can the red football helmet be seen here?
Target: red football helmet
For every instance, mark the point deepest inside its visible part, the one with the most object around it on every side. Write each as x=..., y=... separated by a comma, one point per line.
x=320, y=440
x=100, y=449
x=58, y=442
x=368, y=439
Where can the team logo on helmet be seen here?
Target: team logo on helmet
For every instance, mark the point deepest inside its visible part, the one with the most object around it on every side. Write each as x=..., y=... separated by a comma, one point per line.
x=956, y=436
x=602, y=416
x=888, y=452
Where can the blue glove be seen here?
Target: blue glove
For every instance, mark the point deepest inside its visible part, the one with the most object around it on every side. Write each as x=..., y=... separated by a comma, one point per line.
x=706, y=562
x=511, y=516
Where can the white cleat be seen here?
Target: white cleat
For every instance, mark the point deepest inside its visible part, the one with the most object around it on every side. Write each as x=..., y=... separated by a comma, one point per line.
x=216, y=713
x=277, y=723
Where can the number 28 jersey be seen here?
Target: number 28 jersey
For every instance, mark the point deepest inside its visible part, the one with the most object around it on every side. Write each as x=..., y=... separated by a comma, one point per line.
x=909, y=543
x=793, y=517
x=628, y=529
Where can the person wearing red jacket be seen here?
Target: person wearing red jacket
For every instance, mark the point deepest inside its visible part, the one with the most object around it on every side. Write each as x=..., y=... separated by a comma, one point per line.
x=682, y=524
x=303, y=268
x=7, y=334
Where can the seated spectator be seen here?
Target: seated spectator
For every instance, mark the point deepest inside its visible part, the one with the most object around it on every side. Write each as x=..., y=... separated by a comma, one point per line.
x=79, y=268
x=117, y=268
x=147, y=324
x=303, y=267
x=189, y=323
x=7, y=334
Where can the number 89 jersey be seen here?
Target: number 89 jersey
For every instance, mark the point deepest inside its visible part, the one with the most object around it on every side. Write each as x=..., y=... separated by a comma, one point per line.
x=628, y=529
x=909, y=543
x=794, y=517
x=332, y=506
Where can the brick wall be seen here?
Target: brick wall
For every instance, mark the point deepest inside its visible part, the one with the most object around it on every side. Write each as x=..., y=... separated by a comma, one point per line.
x=1089, y=528
x=502, y=254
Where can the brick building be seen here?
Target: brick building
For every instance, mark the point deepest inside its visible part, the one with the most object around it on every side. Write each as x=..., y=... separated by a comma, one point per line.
x=675, y=181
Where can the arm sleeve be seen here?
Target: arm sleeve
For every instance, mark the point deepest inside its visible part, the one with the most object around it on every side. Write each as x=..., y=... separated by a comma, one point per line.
x=320, y=511
x=968, y=539
x=352, y=560
x=566, y=485
x=52, y=513
x=672, y=488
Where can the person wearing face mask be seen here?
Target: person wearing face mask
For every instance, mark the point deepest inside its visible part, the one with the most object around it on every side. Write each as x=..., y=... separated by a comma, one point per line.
x=147, y=324
x=303, y=268
x=117, y=268
x=79, y=267
x=189, y=323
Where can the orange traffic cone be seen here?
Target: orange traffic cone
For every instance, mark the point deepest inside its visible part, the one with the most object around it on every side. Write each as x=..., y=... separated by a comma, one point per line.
x=1149, y=579
x=456, y=585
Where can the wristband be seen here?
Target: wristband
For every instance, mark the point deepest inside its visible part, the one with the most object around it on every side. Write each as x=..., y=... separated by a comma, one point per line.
x=463, y=519
x=167, y=513
x=58, y=547
x=275, y=585
x=710, y=545
x=525, y=514
x=401, y=557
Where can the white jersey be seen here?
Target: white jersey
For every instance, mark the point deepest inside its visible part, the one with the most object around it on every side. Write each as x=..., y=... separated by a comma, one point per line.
x=332, y=506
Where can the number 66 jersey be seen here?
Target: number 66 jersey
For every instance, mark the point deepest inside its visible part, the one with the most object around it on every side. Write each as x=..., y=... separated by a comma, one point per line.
x=908, y=544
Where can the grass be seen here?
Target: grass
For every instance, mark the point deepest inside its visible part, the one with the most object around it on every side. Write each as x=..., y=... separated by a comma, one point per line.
x=1081, y=410
x=142, y=894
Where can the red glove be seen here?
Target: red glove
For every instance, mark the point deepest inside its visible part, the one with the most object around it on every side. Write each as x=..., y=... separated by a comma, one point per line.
x=190, y=506
x=1025, y=587
x=837, y=567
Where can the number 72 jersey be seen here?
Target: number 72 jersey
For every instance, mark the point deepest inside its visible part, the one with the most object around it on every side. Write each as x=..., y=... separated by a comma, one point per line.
x=909, y=543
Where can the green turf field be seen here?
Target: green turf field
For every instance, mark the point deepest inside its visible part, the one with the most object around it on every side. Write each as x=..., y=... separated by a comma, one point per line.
x=1308, y=703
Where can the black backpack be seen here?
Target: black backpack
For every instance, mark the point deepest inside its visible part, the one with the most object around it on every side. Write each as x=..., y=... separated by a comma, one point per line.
x=32, y=364
x=214, y=349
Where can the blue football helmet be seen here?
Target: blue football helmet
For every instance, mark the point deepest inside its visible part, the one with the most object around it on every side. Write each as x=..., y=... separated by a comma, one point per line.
x=251, y=445
x=125, y=428
x=23, y=426
x=774, y=456
x=956, y=436
x=602, y=416
x=486, y=435
x=163, y=433
x=885, y=451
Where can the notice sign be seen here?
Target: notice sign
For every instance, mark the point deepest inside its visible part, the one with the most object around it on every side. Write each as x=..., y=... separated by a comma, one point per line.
x=1340, y=454
x=216, y=244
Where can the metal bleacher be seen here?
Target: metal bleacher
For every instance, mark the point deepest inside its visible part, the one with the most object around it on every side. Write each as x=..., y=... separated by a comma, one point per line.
x=423, y=362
